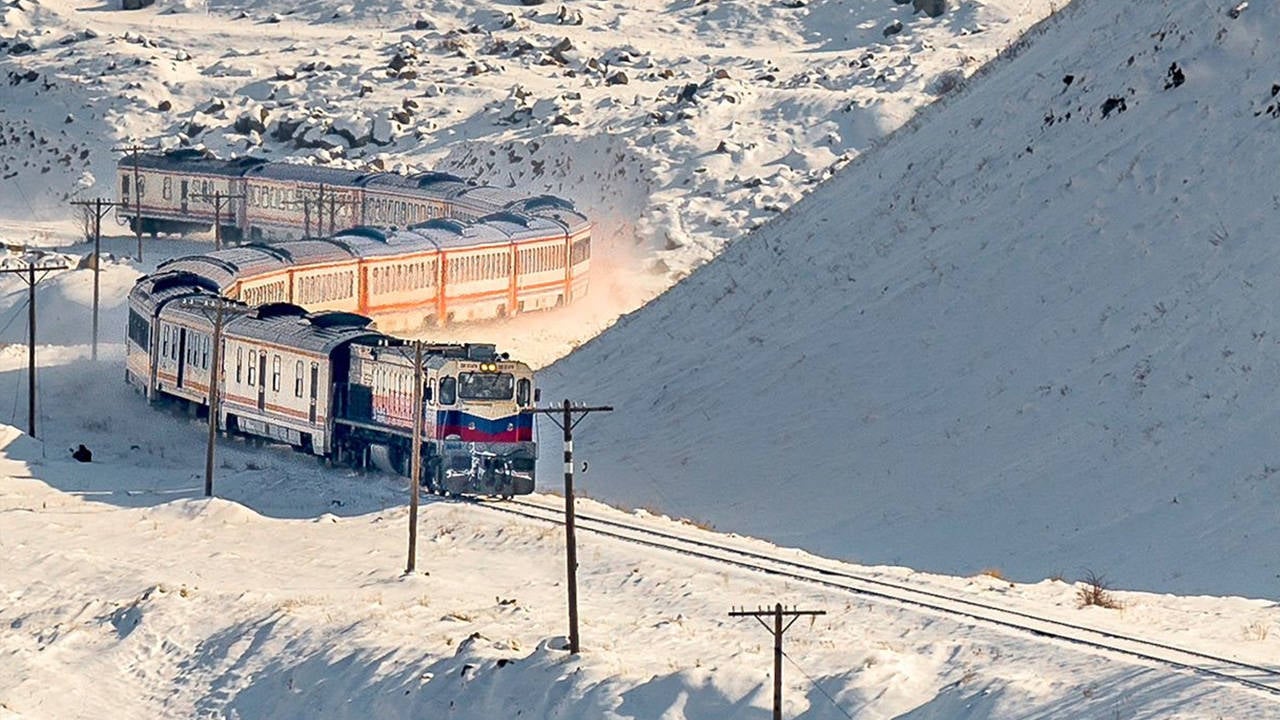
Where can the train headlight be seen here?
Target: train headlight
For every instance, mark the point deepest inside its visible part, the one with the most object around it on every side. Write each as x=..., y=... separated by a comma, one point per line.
x=488, y=367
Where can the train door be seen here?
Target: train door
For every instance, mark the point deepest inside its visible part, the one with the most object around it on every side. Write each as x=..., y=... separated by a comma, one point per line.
x=184, y=196
x=315, y=382
x=182, y=354
x=262, y=381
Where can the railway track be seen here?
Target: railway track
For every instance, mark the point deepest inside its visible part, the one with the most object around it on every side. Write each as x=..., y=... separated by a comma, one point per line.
x=1257, y=677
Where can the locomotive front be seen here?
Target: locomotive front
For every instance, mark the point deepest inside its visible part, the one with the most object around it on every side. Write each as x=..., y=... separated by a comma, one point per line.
x=483, y=443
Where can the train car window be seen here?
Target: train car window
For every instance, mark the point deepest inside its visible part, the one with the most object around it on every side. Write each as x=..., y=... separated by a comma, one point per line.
x=166, y=189
x=124, y=186
x=297, y=380
x=253, y=368
x=239, y=363
x=142, y=187
x=164, y=342
x=448, y=390
x=427, y=390
x=485, y=386
x=275, y=373
x=204, y=349
x=522, y=392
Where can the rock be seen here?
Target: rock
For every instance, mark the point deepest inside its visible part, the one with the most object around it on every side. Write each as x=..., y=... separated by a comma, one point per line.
x=284, y=73
x=251, y=121
x=721, y=74
x=530, y=3
x=399, y=62
x=22, y=47
x=194, y=128
x=618, y=78
x=401, y=116
x=892, y=28
x=164, y=106
x=565, y=16
x=355, y=129
x=72, y=118
x=382, y=134
x=286, y=128
x=135, y=4
x=216, y=105
x=182, y=56
x=422, y=24
x=273, y=18
x=689, y=93
x=409, y=104
x=932, y=8
x=559, y=50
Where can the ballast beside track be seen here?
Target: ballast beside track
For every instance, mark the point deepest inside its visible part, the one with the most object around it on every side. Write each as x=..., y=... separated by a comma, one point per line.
x=1249, y=675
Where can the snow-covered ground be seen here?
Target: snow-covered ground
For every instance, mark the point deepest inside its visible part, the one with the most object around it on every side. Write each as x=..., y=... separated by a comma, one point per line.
x=1029, y=335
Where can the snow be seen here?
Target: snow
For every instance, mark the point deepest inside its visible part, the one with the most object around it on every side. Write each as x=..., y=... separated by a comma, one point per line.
x=984, y=355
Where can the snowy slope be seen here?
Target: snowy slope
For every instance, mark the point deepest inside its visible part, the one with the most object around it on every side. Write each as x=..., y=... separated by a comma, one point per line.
x=676, y=126
x=1034, y=331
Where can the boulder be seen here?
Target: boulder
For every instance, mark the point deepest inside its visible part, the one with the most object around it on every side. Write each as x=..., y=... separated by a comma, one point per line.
x=932, y=8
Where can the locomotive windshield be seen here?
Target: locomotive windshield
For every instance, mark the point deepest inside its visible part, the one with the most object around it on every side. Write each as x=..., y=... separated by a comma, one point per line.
x=486, y=386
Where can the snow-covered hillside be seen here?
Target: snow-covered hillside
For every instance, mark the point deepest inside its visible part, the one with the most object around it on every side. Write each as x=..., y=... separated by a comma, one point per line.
x=677, y=126
x=1035, y=330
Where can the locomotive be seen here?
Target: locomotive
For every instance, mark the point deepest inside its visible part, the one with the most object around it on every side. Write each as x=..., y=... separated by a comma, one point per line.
x=328, y=384
x=393, y=243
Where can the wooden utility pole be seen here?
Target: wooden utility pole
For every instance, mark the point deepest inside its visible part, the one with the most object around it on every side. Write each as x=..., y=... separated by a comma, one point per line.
x=30, y=278
x=219, y=200
x=100, y=209
x=567, y=423
x=136, y=150
x=777, y=631
x=220, y=307
x=415, y=457
x=321, y=204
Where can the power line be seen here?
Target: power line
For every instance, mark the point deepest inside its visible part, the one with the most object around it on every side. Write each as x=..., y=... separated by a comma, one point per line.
x=816, y=686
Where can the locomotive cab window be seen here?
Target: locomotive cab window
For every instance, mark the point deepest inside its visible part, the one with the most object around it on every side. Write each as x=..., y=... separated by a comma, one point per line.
x=522, y=392
x=448, y=390
x=485, y=386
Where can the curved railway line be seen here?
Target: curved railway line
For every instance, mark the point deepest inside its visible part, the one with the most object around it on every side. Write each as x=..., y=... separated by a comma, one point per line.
x=1249, y=675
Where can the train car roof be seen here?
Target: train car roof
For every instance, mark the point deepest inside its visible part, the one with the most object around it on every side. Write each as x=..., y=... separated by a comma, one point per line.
x=297, y=172
x=321, y=332
x=488, y=198
x=554, y=208
x=190, y=160
x=447, y=233
x=519, y=226
x=305, y=252
x=159, y=288
x=436, y=184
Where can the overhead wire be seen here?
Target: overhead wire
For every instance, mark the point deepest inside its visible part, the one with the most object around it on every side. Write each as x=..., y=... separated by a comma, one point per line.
x=814, y=683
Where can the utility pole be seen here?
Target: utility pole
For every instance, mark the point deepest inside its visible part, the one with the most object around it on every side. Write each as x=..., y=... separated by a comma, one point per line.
x=567, y=423
x=415, y=459
x=777, y=631
x=220, y=307
x=100, y=208
x=219, y=199
x=30, y=278
x=332, y=202
x=136, y=150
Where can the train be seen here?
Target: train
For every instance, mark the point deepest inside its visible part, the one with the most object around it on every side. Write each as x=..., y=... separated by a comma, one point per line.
x=408, y=251
x=329, y=384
